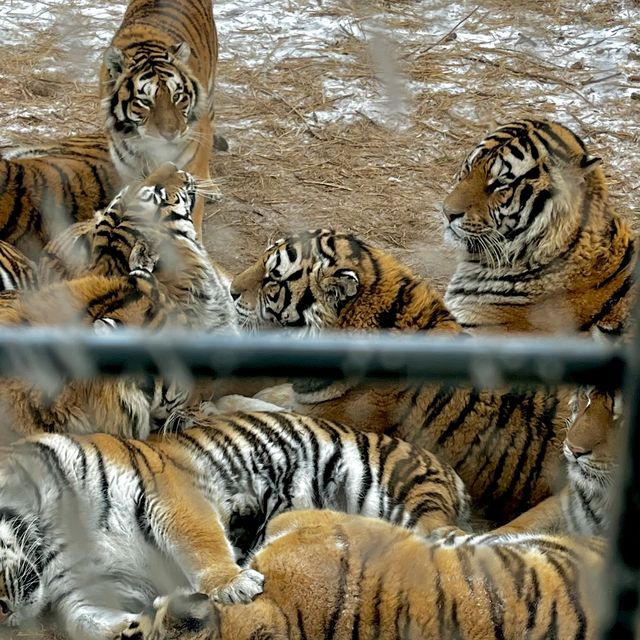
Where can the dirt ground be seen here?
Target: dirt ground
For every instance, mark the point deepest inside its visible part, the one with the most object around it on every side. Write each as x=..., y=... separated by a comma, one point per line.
x=360, y=127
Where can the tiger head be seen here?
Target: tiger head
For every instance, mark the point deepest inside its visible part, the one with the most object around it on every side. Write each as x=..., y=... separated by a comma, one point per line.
x=324, y=279
x=590, y=446
x=518, y=195
x=21, y=593
x=151, y=93
x=302, y=280
x=157, y=213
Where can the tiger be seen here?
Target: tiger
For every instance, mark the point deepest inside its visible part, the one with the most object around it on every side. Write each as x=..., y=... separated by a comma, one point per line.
x=540, y=248
x=93, y=528
x=159, y=210
x=590, y=448
x=129, y=406
x=44, y=189
x=344, y=576
x=156, y=88
x=16, y=270
x=505, y=444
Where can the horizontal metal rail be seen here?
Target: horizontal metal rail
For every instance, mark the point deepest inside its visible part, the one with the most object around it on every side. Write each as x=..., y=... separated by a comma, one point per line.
x=484, y=361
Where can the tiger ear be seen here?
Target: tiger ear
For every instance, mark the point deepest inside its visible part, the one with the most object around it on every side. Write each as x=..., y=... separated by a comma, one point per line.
x=181, y=52
x=114, y=61
x=589, y=163
x=341, y=285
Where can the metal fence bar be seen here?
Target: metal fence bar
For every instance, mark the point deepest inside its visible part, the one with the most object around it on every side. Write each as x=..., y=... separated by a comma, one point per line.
x=381, y=356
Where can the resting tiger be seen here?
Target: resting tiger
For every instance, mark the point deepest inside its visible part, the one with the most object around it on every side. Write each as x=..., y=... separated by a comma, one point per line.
x=158, y=209
x=540, y=247
x=337, y=576
x=503, y=443
x=95, y=527
x=590, y=448
x=129, y=407
x=157, y=83
x=44, y=189
x=16, y=270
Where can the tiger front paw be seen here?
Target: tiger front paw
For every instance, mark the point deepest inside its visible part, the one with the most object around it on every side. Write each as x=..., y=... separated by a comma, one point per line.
x=140, y=628
x=241, y=589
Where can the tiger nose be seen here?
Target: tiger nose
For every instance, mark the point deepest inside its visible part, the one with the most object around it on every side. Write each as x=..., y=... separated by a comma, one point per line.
x=234, y=295
x=577, y=451
x=5, y=610
x=452, y=214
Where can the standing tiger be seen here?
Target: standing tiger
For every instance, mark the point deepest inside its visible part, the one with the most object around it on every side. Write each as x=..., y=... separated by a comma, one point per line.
x=157, y=85
x=504, y=443
x=540, y=247
x=590, y=449
x=340, y=577
x=44, y=189
x=94, y=528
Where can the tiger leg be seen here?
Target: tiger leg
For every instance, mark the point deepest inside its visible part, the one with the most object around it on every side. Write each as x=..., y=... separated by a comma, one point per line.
x=545, y=517
x=188, y=528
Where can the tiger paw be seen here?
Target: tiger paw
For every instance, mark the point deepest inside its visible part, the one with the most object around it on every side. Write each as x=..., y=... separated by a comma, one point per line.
x=281, y=395
x=140, y=628
x=236, y=402
x=142, y=258
x=242, y=588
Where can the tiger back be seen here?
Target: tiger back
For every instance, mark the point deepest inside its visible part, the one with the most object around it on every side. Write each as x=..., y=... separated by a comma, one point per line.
x=540, y=247
x=16, y=270
x=342, y=576
x=44, y=189
x=157, y=84
x=504, y=443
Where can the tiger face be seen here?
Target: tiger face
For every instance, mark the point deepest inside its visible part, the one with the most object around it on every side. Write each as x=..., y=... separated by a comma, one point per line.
x=157, y=212
x=591, y=443
x=21, y=593
x=300, y=281
x=152, y=95
x=520, y=184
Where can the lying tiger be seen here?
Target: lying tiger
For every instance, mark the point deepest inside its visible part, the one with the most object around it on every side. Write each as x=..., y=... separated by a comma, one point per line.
x=157, y=85
x=46, y=188
x=339, y=576
x=94, y=528
x=540, y=247
x=590, y=449
x=504, y=443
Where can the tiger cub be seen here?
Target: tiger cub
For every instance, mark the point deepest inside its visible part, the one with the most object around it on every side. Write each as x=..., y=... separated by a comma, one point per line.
x=93, y=528
x=590, y=449
x=159, y=210
x=339, y=576
x=44, y=189
x=128, y=406
x=16, y=270
x=539, y=246
x=504, y=443
x=157, y=85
